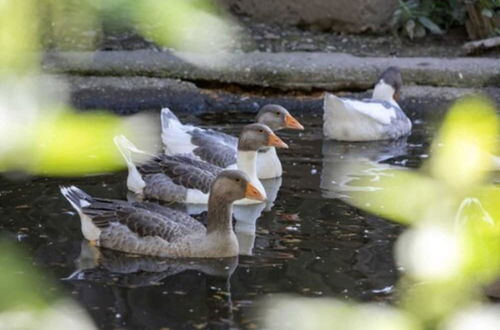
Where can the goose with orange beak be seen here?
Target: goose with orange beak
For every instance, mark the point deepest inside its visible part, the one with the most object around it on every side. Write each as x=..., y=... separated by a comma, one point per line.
x=151, y=229
x=206, y=144
x=186, y=179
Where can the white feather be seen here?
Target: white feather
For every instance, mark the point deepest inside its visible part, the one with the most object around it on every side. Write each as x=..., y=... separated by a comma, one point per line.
x=352, y=120
x=246, y=162
x=175, y=135
x=383, y=91
x=268, y=164
x=89, y=230
x=231, y=167
x=135, y=182
x=195, y=196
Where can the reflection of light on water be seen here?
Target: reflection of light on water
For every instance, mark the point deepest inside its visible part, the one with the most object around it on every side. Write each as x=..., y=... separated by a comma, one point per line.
x=352, y=167
x=340, y=178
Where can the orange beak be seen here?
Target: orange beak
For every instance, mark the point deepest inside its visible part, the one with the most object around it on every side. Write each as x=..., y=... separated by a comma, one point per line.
x=275, y=141
x=253, y=193
x=292, y=123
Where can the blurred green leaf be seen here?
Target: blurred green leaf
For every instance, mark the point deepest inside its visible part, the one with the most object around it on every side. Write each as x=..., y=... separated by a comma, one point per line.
x=400, y=195
x=193, y=26
x=461, y=154
x=18, y=36
x=20, y=284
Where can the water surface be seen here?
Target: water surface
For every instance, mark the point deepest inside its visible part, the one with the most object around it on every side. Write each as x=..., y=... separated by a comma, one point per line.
x=309, y=243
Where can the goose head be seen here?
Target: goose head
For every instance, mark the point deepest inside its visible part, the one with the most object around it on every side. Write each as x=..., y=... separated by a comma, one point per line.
x=232, y=185
x=256, y=136
x=389, y=85
x=277, y=117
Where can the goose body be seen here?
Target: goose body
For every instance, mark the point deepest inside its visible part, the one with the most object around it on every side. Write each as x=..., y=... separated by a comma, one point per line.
x=378, y=118
x=149, y=229
x=186, y=179
x=221, y=149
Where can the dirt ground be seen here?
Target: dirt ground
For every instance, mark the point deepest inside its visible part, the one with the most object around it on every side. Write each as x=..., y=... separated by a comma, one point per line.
x=273, y=38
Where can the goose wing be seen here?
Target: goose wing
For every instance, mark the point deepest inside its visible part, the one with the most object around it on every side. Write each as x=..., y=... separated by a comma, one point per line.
x=216, y=137
x=207, y=144
x=381, y=111
x=175, y=215
x=184, y=171
x=139, y=220
x=214, y=147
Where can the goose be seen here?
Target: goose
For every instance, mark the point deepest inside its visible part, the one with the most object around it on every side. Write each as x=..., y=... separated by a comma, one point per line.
x=378, y=118
x=205, y=144
x=145, y=229
x=184, y=179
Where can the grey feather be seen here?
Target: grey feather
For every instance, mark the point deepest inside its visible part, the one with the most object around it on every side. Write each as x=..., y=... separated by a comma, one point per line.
x=209, y=147
x=183, y=171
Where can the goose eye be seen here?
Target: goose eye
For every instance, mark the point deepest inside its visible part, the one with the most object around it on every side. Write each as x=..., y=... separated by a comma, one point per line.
x=261, y=130
x=278, y=113
x=238, y=180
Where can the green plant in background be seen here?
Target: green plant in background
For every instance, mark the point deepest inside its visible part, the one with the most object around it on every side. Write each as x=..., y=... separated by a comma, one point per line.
x=449, y=253
x=414, y=18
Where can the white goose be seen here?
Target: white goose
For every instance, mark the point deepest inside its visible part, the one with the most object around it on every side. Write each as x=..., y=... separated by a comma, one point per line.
x=378, y=118
x=206, y=144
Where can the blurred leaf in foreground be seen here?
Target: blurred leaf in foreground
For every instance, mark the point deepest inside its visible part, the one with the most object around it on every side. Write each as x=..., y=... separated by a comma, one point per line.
x=18, y=36
x=28, y=300
x=42, y=136
x=318, y=314
x=460, y=162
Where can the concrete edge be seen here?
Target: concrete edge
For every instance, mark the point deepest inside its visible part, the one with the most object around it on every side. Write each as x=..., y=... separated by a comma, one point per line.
x=283, y=71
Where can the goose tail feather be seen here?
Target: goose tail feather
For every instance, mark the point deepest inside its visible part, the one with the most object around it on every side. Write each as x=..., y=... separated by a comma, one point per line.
x=76, y=197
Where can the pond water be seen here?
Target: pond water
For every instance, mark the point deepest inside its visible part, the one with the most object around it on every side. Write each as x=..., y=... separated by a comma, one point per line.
x=308, y=243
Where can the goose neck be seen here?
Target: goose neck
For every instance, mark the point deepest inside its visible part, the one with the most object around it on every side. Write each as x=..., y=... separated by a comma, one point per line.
x=220, y=214
x=384, y=92
x=247, y=162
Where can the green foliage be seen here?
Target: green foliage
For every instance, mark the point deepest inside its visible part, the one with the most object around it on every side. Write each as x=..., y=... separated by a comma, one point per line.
x=414, y=18
x=20, y=284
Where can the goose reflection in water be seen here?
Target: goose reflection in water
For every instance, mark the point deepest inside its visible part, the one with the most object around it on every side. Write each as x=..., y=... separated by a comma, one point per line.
x=344, y=164
x=105, y=277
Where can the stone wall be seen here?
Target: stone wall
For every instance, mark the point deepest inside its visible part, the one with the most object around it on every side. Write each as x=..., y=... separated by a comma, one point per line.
x=336, y=15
